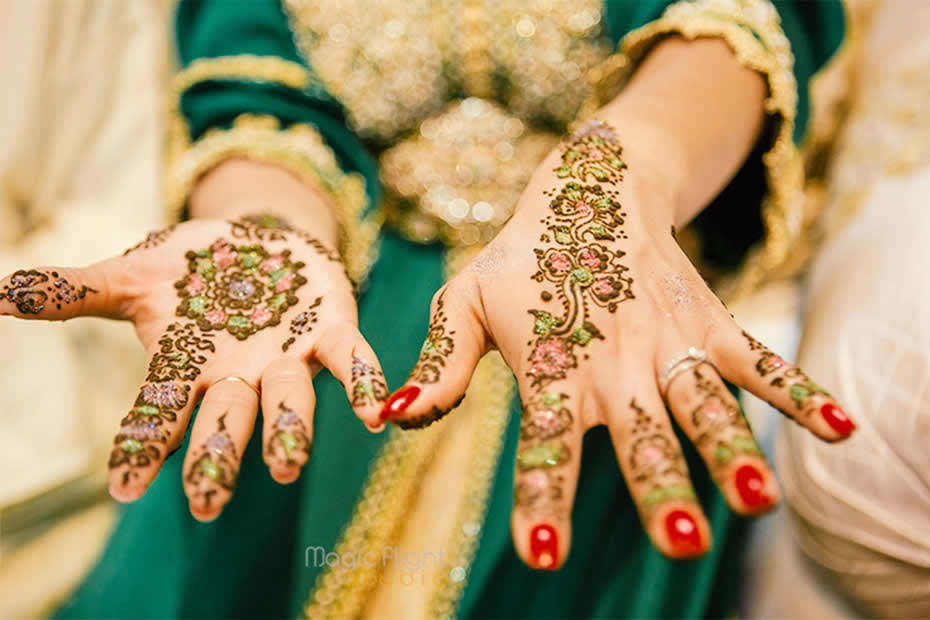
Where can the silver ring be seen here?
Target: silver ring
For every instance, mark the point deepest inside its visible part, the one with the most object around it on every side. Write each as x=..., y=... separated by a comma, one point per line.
x=680, y=363
x=241, y=380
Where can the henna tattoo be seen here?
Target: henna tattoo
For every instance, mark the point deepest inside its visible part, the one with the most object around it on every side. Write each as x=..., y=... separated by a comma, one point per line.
x=269, y=227
x=655, y=461
x=437, y=347
x=582, y=268
x=289, y=439
x=240, y=289
x=368, y=386
x=181, y=352
x=302, y=324
x=801, y=389
x=720, y=423
x=31, y=290
x=215, y=470
x=422, y=421
x=152, y=240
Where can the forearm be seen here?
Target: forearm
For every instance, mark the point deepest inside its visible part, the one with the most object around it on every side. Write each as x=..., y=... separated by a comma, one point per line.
x=690, y=115
x=240, y=186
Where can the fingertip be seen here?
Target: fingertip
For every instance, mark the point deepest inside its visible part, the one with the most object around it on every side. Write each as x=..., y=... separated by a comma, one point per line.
x=680, y=531
x=751, y=487
x=397, y=403
x=838, y=425
x=205, y=515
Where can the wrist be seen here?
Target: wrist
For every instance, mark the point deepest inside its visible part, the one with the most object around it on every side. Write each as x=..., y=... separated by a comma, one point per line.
x=239, y=187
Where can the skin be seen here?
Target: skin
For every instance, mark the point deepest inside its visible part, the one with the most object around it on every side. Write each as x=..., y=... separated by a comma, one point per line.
x=682, y=128
x=588, y=346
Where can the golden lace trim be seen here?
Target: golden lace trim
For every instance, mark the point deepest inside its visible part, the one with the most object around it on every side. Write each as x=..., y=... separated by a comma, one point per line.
x=249, y=67
x=301, y=150
x=752, y=28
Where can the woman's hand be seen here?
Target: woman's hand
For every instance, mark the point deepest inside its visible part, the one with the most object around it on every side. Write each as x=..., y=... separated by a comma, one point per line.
x=219, y=306
x=590, y=300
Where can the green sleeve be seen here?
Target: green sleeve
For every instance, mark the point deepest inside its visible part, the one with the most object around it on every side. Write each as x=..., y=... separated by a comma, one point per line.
x=788, y=41
x=217, y=29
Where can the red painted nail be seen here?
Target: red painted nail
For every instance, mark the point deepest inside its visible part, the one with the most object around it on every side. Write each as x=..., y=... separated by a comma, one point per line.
x=683, y=532
x=751, y=486
x=399, y=401
x=837, y=419
x=544, y=546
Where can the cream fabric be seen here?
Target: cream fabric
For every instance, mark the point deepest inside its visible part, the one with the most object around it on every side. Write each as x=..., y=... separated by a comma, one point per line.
x=861, y=509
x=80, y=133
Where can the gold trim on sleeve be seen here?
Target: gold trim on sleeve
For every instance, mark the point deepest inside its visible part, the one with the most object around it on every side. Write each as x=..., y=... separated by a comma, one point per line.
x=247, y=67
x=752, y=28
x=299, y=149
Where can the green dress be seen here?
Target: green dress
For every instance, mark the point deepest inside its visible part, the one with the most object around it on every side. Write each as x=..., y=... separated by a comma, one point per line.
x=254, y=57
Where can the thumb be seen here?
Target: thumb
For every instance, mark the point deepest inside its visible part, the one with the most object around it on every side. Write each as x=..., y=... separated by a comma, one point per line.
x=454, y=345
x=59, y=293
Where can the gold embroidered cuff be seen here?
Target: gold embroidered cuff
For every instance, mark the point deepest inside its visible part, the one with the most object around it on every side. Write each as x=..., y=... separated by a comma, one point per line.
x=752, y=28
x=299, y=149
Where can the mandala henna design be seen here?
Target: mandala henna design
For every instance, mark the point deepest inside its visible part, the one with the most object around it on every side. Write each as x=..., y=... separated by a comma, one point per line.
x=437, y=347
x=801, y=389
x=655, y=461
x=239, y=289
x=31, y=290
x=152, y=240
x=720, y=423
x=368, y=386
x=288, y=438
x=302, y=324
x=580, y=267
x=215, y=470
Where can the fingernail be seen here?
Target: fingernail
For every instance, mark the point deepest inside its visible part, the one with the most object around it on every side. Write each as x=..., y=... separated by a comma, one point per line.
x=751, y=486
x=544, y=546
x=399, y=401
x=837, y=419
x=683, y=532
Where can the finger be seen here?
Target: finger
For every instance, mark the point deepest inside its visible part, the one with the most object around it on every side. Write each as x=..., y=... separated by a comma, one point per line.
x=218, y=439
x=156, y=423
x=711, y=416
x=453, y=347
x=546, y=476
x=745, y=361
x=353, y=362
x=287, y=409
x=58, y=293
x=657, y=475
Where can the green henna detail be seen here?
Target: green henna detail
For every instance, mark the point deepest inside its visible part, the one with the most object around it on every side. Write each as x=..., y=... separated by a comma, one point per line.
x=544, y=455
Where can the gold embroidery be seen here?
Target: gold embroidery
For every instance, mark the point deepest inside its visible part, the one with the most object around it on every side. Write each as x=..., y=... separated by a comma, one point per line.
x=752, y=28
x=249, y=67
x=299, y=149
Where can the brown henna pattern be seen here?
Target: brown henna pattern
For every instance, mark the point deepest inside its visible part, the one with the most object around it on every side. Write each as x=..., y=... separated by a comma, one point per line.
x=368, y=386
x=655, y=461
x=289, y=444
x=239, y=289
x=32, y=290
x=801, y=389
x=302, y=324
x=212, y=475
x=151, y=424
x=721, y=426
x=430, y=417
x=437, y=347
x=152, y=240
x=269, y=227
x=581, y=268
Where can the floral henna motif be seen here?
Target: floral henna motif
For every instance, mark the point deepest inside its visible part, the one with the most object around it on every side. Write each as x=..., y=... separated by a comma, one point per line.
x=174, y=367
x=32, y=290
x=152, y=240
x=215, y=470
x=240, y=289
x=581, y=268
x=800, y=387
x=437, y=347
x=368, y=386
x=655, y=461
x=720, y=423
x=302, y=324
x=270, y=227
x=288, y=439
